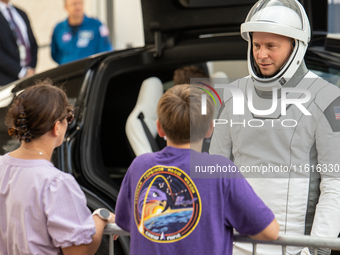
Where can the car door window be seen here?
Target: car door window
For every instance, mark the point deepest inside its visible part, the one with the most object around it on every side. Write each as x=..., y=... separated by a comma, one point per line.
x=330, y=74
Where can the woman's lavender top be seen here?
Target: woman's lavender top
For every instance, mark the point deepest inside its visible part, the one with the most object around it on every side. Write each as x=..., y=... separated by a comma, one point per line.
x=41, y=208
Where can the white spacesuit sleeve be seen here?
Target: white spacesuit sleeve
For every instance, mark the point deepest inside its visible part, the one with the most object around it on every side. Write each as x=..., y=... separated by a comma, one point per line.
x=221, y=142
x=327, y=216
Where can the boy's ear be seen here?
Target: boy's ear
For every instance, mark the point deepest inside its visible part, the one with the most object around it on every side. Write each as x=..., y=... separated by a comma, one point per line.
x=210, y=130
x=159, y=129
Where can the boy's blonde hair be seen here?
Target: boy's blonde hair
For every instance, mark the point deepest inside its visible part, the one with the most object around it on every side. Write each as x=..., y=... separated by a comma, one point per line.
x=179, y=114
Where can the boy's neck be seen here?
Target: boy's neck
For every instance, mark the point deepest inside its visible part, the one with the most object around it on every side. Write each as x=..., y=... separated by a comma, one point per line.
x=197, y=146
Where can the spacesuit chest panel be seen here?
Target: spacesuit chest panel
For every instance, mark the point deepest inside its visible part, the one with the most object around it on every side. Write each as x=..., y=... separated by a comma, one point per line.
x=274, y=139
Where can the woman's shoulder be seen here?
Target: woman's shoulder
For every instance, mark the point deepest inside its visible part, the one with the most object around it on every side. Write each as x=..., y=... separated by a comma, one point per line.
x=42, y=170
x=53, y=175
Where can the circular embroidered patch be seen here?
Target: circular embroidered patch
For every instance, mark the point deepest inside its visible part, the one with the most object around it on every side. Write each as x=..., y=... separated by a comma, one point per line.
x=167, y=205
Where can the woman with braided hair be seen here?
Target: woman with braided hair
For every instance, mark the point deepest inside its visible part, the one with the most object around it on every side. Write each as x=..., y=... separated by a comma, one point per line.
x=42, y=209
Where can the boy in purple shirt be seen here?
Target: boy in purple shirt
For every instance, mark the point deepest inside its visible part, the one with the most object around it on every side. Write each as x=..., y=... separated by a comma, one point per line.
x=166, y=211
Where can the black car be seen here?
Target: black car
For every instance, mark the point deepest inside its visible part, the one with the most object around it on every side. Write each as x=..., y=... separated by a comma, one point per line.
x=104, y=87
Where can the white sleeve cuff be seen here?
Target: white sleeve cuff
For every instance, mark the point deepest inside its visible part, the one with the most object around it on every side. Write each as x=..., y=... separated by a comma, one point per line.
x=22, y=72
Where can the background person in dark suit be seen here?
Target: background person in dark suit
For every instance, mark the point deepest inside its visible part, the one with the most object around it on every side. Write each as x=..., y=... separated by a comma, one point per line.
x=18, y=47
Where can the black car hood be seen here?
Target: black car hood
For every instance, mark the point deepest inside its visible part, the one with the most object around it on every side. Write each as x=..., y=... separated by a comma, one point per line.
x=177, y=18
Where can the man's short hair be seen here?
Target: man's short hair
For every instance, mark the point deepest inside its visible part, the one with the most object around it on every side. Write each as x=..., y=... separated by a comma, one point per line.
x=182, y=75
x=179, y=114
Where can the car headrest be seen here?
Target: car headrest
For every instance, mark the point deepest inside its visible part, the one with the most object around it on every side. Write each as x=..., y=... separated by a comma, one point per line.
x=149, y=95
x=219, y=74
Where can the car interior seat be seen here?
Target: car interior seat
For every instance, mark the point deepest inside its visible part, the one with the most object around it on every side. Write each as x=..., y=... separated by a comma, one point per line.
x=140, y=127
x=219, y=74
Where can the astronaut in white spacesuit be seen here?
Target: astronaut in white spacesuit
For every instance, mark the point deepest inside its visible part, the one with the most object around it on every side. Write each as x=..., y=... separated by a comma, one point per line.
x=291, y=154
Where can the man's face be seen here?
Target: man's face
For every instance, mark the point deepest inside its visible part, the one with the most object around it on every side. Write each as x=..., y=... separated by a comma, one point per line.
x=271, y=51
x=75, y=8
x=5, y=1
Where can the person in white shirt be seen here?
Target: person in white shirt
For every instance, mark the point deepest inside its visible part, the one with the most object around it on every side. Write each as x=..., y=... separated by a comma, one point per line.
x=18, y=47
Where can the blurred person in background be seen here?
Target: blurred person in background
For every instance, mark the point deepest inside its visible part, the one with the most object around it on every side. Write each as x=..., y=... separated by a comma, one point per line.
x=18, y=47
x=78, y=36
x=183, y=74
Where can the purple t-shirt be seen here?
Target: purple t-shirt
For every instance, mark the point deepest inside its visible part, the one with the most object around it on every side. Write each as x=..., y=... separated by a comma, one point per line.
x=167, y=212
x=41, y=209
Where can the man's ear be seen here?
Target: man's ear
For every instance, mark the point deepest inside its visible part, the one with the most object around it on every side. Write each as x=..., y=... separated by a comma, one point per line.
x=159, y=129
x=210, y=130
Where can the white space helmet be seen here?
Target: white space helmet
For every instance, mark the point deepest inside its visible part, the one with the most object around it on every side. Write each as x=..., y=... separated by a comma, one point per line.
x=282, y=17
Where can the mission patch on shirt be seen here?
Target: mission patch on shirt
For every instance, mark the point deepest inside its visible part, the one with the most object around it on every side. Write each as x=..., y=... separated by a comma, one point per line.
x=167, y=205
